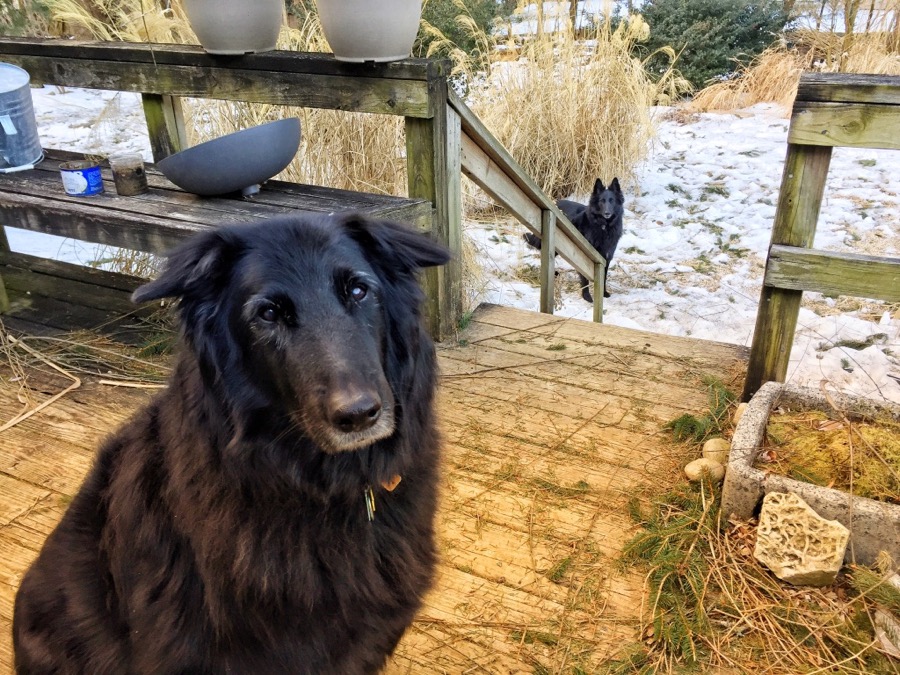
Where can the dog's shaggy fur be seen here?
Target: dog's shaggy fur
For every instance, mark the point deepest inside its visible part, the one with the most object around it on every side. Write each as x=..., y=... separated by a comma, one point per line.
x=600, y=221
x=224, y=529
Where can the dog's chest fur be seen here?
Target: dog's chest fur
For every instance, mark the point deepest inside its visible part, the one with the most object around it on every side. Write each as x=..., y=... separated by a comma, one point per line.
x=215, y=533
x=258, y=566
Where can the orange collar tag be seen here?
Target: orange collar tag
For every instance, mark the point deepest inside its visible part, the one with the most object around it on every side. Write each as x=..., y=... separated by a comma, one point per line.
x=389, y=485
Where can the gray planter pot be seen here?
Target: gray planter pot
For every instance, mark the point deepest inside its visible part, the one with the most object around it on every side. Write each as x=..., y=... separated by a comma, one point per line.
x=874, y=525
x=238, y=161
x=235, y=26
x=370, y=30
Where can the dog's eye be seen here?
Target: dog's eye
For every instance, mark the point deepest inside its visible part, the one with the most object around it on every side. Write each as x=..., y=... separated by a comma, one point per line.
x=268, y=313
x=358, y=291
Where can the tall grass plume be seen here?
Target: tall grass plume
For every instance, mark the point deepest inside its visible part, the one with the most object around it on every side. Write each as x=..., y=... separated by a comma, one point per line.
x=773, y=76
x=572, y=110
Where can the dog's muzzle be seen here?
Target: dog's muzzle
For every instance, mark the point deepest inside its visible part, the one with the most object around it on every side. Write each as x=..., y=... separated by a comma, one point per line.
x=356, y=418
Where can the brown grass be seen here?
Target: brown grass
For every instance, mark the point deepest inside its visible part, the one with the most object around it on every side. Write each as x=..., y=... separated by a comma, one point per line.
x=571, y=111
x=128, y=20
x=772, y=77
x=712, y=608
x=861, y=458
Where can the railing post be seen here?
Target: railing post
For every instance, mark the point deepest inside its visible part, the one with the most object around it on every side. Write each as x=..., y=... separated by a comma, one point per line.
x=165, y=124
x=433, y=156
x=548, y=261
x=4, y=248
x=799, y=202
x=599, y=290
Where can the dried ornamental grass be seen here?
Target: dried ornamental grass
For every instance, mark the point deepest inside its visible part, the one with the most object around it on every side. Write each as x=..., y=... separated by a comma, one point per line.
x=771, y=77
x=571, y=110
x=123, y=20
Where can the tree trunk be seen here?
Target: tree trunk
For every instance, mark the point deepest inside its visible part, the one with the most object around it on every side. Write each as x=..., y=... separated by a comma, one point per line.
x=540, y=18
x=871, y=14
x=821, y=15
x=851, y=9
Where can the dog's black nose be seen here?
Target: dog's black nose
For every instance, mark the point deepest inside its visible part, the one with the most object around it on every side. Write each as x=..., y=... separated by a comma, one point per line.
x=357, y=412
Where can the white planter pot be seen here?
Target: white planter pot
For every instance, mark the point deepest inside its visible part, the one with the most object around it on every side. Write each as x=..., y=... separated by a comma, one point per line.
x=370, y=30
x=235, y=26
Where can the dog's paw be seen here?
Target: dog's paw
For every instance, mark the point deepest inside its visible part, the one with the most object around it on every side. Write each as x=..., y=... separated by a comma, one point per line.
x=532, y=240
x=606, y=294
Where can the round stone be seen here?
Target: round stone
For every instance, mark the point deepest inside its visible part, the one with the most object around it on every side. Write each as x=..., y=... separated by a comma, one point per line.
x=717, y=449
x=704, y=468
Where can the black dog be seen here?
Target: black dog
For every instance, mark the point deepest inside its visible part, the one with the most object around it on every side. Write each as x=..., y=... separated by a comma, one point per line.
x=250, y=520
x=600, y=222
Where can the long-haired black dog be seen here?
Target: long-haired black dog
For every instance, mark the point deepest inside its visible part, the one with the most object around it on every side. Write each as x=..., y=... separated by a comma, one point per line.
x=249, y=520
x=600, y=221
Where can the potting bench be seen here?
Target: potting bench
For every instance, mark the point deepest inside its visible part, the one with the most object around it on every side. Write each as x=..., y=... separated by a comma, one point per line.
x=444, y=140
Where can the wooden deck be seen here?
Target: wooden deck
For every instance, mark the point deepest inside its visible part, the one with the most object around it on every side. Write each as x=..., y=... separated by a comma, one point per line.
x=551, y=425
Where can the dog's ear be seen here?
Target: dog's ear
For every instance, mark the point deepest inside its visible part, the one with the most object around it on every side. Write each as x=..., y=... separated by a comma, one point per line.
x=614, y=186
x=395, y=247
x=598, y=186
x=204, y=257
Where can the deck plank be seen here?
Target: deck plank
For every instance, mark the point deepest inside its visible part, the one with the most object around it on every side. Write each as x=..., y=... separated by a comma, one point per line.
x=550, y=426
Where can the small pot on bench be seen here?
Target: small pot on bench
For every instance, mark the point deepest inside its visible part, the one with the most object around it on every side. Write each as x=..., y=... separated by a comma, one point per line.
x=370, y=30
x=235, y=26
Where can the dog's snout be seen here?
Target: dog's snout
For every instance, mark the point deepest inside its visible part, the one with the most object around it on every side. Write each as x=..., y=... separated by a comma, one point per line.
x=355, y=411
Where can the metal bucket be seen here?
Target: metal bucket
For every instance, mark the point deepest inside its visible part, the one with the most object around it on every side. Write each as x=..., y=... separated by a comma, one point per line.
x=20, y=145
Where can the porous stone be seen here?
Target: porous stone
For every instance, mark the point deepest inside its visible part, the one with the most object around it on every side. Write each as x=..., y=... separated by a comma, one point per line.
x=796, y=543
x=717, y=449
x=704, y=467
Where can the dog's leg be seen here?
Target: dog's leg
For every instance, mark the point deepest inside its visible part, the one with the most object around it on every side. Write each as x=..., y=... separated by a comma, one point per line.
x=585, y=288
x=532, y=240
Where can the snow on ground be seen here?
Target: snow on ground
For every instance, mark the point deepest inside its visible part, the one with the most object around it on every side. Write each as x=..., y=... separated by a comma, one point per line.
x=696, y=232
x=88, y=121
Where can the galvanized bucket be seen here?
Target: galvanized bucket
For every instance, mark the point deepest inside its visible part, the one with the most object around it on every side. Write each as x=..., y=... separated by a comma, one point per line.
x=20, y=145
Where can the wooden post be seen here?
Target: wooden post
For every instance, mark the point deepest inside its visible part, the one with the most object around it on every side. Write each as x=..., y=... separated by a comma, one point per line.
x=548, y=261
x=4, y=248
x=799, y=202
x=165, y=124
x=433, y=156
x=599, y=290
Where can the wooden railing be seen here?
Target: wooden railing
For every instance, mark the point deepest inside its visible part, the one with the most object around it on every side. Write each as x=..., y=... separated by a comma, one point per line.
x=415, y=89
x=487, y=163
x=831, y=110
x=444, y=139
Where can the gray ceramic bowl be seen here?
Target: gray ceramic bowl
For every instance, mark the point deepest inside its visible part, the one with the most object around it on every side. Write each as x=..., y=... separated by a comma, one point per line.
x=236, y=162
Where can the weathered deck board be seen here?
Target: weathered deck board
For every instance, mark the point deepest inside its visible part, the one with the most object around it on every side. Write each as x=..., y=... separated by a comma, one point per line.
x=162, y=217
x=551, y=425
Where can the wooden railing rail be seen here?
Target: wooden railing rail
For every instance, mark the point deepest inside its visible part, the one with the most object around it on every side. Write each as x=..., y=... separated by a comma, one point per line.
x=831, y=110
x=488, y=164
x=444, y=139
